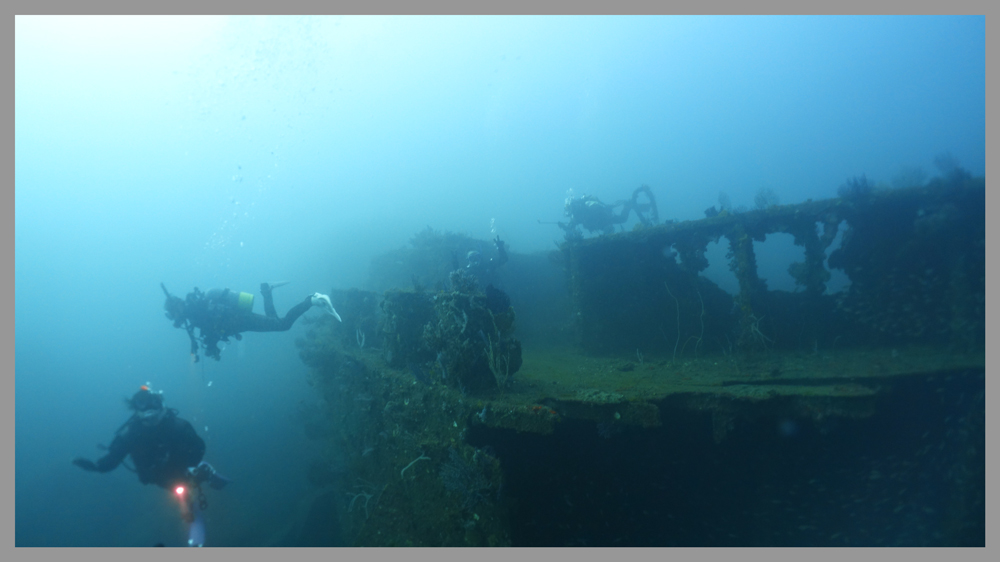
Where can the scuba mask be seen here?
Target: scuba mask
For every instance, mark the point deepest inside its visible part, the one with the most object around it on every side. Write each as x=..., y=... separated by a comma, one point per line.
x=151, y=417
x=148, y=406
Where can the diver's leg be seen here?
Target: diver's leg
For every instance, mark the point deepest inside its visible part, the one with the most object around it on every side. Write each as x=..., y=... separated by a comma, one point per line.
x=298, y=310
x=265, y=290
x=258, y=323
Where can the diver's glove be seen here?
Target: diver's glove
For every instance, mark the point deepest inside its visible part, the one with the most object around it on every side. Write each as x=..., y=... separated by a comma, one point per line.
x=204, y=472
x=85, y=464
x=201, y=472
x=323, y=301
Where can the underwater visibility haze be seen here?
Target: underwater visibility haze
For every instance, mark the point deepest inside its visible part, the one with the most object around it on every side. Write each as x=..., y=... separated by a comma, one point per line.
x=370, y=158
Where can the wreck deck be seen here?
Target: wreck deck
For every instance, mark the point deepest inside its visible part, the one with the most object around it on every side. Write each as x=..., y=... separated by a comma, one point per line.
x=758, y=412
x=838, y=382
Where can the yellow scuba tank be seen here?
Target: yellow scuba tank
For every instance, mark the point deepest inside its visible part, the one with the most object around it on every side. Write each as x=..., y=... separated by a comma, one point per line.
x=232, y=299
x=245, y=302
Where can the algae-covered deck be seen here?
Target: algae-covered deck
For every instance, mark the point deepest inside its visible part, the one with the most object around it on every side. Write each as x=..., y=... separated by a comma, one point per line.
x=464, y=414
x=567, y=376
x=557, y=384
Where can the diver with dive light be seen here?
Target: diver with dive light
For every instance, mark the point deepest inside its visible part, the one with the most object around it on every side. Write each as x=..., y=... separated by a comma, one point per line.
x=165, y=451
x=219, y=314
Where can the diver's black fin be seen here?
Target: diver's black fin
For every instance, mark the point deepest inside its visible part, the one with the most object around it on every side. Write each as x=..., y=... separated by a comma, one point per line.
x=273, y=286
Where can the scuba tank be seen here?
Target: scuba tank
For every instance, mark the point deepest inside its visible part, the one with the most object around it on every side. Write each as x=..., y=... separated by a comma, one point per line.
x=231, y=299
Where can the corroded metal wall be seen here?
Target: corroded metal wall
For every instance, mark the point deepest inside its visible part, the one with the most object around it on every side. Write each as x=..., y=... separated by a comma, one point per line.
x=915, y=258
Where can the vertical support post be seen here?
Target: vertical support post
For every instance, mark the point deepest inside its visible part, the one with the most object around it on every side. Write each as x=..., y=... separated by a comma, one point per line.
x=574, y=281
x=743, y=262
x=811, y=274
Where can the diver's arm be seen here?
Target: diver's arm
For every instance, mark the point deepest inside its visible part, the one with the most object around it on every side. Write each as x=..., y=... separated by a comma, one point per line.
x=107, y=463
x=194, y=341
x=190, y=448
x=212, y=348
x=116, y=453
x=501, y=251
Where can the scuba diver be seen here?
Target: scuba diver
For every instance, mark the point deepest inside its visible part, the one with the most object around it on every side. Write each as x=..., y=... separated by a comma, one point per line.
x=595, y=216
x=484, y=269
x=165, y=451
x=221, y=313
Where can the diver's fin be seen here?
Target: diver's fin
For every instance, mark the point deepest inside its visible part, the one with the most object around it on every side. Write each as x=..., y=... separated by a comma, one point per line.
x=323, y=301
x=218, y=481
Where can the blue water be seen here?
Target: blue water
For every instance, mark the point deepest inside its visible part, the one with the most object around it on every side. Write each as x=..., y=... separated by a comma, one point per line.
x=223, y=152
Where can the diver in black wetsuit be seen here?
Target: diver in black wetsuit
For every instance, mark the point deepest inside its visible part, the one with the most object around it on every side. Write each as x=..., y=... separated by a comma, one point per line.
x=165, y=449
x=484, y=270
x=594, y=215
x=220, y=314
x=167, y=452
